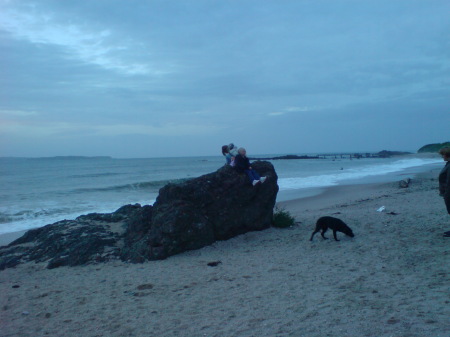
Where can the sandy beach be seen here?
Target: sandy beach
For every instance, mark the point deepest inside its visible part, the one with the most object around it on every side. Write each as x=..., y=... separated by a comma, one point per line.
x=391, y=279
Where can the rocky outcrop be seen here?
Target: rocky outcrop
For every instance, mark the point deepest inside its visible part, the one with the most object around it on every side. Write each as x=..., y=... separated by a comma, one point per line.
x=185, y=216
x=388, y=154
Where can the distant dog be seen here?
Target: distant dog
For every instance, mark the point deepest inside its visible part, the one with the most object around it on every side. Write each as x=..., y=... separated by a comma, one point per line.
x=335, y=224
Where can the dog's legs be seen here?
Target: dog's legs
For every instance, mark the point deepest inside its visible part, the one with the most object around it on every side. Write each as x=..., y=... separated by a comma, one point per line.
x=334, y=234
x=323, y=233
x=312, y=235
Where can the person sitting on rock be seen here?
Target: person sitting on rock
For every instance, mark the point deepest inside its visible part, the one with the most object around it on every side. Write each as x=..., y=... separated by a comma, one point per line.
x=226, y=153
x=233, y=150
x=242, y=164
x=230, y=152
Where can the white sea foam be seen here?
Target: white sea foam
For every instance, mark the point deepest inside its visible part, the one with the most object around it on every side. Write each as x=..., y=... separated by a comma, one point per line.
x=20, y=221
x=352, y=174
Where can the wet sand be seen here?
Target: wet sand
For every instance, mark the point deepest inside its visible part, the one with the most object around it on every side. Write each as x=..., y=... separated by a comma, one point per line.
x=10, y=237
x=391, y=279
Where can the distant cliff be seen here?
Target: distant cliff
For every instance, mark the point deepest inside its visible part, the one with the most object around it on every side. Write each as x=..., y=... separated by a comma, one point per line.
x=433, y=147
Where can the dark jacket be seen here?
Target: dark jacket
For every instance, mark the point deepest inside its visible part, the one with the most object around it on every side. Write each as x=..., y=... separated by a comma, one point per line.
x=444, y=185
x=241, y=163
x=444, y=181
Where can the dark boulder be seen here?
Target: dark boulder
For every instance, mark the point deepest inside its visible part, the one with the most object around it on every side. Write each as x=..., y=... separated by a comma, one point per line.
x=216, y=206
x=187, y=215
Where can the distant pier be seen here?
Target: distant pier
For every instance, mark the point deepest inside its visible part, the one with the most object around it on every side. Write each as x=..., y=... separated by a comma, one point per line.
x=347, y=155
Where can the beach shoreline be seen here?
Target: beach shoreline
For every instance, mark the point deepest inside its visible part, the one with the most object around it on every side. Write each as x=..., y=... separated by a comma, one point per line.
x=77, y=195
x=391, y=279
x=313, y=197
x=322, y=197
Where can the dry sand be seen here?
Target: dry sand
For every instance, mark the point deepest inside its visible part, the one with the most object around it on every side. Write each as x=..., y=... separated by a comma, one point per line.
x=390, y=280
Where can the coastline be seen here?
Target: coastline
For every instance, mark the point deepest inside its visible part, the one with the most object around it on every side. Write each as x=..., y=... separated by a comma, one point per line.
x=332, y=195
x=314, y=197
x=320, y=198
x=19, y=218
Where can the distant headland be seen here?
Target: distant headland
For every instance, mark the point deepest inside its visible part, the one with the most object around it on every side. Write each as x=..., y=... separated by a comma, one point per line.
x=433, y=147
x=60, y=157
x=76, y=157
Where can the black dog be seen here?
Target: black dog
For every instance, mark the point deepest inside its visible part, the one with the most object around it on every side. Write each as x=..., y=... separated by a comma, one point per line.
x=335, y=224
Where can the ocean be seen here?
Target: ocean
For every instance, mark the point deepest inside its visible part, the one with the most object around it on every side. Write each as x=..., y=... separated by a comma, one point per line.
x=38, y=191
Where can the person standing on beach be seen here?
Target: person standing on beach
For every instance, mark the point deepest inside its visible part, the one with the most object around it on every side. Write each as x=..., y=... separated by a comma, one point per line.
x=444, y=181
x=242, y=164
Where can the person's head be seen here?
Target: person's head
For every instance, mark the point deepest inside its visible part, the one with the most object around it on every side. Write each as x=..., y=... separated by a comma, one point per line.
x=445, y=153
x=231, y=146
x=242, y=151
x=225, y=149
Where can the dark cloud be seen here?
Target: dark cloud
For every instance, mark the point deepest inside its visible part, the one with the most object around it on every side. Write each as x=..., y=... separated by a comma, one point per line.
x=302, y=76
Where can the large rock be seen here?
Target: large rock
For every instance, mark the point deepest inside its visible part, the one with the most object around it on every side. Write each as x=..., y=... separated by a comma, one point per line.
x=185, y=216
x=216, y=206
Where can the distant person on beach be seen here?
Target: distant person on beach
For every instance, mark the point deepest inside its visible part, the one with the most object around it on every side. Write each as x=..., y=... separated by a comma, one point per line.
x=230, y=152
x=444, y=181
x=242, y=164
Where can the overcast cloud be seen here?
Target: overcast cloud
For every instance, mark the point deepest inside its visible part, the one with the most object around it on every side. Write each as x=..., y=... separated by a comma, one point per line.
x=175, y=78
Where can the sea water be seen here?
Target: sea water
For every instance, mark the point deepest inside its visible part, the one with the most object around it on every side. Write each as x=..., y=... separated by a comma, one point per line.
x=38, y=191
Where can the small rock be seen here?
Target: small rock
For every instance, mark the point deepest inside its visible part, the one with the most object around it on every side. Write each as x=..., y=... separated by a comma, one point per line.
x=16, y=286
x=214, y=263
x=145, y=286
x=404, y=183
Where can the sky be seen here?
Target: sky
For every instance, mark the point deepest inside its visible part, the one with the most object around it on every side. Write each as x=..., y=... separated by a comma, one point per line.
x=162, y=78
